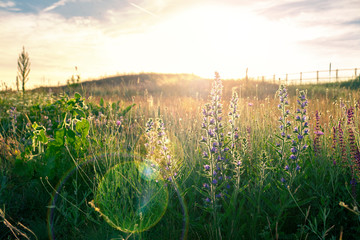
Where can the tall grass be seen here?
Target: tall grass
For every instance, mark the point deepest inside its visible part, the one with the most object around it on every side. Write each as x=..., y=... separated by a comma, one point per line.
x=267, y=187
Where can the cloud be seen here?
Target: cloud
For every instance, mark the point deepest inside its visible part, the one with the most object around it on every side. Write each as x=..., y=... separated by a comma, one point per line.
x=56, y=4
x=143, y=9
x=7, y=4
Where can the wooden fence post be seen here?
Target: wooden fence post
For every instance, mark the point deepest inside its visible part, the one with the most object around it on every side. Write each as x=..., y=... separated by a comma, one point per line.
x=317, y=77
x=337, y=74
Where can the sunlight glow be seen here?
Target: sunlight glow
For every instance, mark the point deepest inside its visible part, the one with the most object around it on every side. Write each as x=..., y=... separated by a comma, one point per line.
x=207, y=39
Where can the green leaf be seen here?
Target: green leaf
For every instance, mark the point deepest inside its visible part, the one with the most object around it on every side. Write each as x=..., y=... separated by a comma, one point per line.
x=77, y=95
x=80, y=112
x=42, y=137
x=126, y=110
x=83, y=127
x=70, y=136
x=59, y=137
x=102, y=102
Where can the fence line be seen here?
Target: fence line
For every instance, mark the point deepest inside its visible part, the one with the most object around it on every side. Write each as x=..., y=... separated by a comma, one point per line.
x=311, y=77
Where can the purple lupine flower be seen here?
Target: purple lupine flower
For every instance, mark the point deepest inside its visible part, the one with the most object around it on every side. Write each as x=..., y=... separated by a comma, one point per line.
x=118, y=123
x=300, y=137
x=214, y=181
x=293, y=150
x=353, y=182
x=319, y=133
x=298, y=168
x=205, y=185
x=283, y=180
x=293, y=157
x=287, y=167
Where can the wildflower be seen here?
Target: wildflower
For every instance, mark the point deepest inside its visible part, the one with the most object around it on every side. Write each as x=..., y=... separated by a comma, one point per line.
x=214, y=181
x=319, y=133
x=207, y=167
x=118, y=123
x=293, y=157
x=205, y=185
x=287, y=167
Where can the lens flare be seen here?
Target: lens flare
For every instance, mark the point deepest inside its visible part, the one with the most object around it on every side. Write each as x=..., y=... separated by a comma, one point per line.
x=131, y=198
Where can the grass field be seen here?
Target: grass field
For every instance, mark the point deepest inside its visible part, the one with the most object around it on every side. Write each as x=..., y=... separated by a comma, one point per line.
x=168, y=157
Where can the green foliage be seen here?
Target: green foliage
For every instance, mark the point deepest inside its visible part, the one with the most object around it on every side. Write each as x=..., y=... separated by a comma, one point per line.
x=71, y=143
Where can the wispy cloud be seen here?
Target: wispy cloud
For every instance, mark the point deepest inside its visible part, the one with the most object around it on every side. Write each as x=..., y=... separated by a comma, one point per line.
x=56, y=4
x=7, y=4
x=143, y=9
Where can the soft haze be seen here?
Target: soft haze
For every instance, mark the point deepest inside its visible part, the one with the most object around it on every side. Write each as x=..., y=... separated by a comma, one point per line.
x=176, y=36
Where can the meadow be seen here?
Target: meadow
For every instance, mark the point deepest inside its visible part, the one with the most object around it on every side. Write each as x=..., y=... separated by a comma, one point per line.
x=145, y=157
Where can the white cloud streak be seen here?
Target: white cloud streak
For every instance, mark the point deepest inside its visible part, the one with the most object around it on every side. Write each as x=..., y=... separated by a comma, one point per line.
x=55, y=5
x=143, y=9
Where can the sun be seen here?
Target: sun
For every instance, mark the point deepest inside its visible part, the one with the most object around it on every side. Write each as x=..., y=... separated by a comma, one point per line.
x=212, y=38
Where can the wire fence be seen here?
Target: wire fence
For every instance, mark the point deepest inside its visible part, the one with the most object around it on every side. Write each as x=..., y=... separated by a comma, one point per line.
x=313, y=77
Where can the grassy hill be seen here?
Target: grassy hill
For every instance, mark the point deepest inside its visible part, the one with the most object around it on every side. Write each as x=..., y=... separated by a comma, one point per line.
x=189, y=85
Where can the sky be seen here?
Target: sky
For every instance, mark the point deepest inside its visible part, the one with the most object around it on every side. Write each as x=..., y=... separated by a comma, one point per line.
x=108, y=37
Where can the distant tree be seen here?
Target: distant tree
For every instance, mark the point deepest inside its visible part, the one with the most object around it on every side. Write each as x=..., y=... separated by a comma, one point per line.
x=23, y=68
